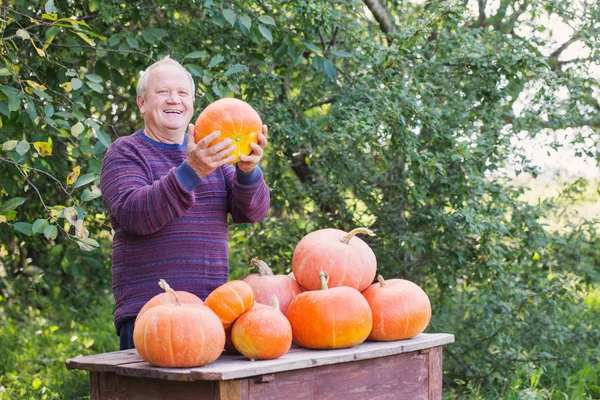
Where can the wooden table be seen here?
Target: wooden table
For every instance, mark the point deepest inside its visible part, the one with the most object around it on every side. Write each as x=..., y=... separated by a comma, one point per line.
x=405, y=369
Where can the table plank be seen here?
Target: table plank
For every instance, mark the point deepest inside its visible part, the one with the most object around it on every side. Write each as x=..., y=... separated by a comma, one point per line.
x=230, y=366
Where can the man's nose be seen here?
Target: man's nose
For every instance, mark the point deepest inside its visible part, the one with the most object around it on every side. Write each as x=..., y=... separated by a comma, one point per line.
x=174, y=97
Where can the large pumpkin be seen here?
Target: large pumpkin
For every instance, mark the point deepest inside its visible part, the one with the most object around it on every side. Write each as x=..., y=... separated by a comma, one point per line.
x=266, y=285
x=235, y=119
x=401, y=309
x=230, y=300
x=262, y=333
x=333, y=318
x=346, y=258
x=179, y=335
x=168, y=298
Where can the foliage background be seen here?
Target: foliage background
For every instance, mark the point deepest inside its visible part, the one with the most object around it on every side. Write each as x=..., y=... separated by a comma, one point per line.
x=394, y=115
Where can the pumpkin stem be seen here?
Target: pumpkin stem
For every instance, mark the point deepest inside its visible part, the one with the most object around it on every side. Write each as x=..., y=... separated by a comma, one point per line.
x=275, y=301
x=324, y=277
x=381, y=280
x=165, y=286
x=346, y=238
x=263, y=267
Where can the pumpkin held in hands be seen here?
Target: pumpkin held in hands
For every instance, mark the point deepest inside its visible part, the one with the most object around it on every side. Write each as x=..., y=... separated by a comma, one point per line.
x=401, y=309
x=333, y=318
x=230, y=300
x=179, y=335
x=235, y=119
x=262, y=333
x=347, y=259
x=266, y=285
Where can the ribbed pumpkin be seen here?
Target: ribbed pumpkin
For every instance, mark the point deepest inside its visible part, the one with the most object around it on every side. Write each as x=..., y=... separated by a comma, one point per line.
x=401, y=309
x=235, y=119
x=168, y=298
x=179, y=335
x=229, y=347
x=266, y=285
x=333, y=318
x=230, y=300
x=262, y=333
x=346, y=258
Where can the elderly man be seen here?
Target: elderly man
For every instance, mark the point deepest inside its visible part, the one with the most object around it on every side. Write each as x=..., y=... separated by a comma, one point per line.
x=169, y=198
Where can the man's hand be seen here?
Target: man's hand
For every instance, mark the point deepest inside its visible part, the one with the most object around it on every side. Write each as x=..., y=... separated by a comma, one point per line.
x=204, y=158
x=247, y=163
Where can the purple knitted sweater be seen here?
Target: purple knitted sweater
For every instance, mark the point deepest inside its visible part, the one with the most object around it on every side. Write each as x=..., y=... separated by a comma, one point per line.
x=168, y=222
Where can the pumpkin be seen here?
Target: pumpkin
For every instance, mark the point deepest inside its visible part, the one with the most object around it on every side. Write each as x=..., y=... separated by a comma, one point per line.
x=229, y=347
x=266, y=285
x=262, y=333
x=230, y=300
x=333, y=318
x=347, y=259
x=179, y=335
x=401, y=309
x=235, y=119
x=167, y=298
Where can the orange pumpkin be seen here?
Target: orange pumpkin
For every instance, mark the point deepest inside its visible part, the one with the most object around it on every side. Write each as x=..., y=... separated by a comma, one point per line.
x=266, y=285
x=168, y=298
x=235, y=119
x=347, y=259
x=230, y=300
x=262, y=333
x=333, y=318
x=401, y=309
x=229, y=347
x=179, y=335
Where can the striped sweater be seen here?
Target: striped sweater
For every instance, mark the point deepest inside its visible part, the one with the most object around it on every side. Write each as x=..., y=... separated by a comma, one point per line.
x=168, y=222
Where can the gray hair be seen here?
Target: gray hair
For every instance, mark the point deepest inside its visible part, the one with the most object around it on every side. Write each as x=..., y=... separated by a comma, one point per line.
x=142, y=84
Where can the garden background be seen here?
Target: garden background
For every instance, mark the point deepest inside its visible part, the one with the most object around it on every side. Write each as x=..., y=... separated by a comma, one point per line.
x=413, y=118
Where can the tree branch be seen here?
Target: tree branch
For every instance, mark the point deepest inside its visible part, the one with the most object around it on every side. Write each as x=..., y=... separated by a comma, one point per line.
x=381, y=15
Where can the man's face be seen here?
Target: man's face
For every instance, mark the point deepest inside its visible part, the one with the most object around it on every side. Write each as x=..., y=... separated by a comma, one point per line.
x=168, y=104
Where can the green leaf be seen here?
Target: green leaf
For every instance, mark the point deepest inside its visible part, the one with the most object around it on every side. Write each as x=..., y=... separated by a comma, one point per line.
x=132, y=42
x=91, y=194
x=266, y=33
x=77, y=129
x=12, y=204
x=216, y=89
x=215, y=60
x=14, y=98
x=23, y=227
x=342, y=53
x=329, y=69
x=87, y=244
x=265, y=19
x=194, y=70
x=94, y=78
x=49, y=7
x=39, y=225
x=23, y=147
x=23, y=34
x=196, y=54
x=103, y=137
x=4, y=72
x=10, y=145
x=234, y=69
x=93, y=5
x=229, y=16
x=49, y=110
x=84, y=180
x=10, y=215
x=50, y=232
x=76, y=84
x=312, y=47
x=95, y=86
x=246, y=21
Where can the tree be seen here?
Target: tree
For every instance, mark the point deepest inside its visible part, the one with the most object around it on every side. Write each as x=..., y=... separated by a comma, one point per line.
x=400, y=118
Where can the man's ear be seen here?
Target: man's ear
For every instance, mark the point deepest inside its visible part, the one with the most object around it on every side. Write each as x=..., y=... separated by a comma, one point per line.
x=140, y=103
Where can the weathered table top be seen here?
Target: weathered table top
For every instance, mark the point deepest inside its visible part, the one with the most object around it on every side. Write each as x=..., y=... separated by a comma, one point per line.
x=235, y=366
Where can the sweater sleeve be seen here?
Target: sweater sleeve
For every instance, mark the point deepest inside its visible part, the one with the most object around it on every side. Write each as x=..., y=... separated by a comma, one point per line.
x=139, y=205
x=249, y=197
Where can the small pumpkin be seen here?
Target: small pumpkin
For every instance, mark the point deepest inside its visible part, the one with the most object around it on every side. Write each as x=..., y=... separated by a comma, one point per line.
x=235, y=119
x=333, y=318
x=266, y=285
x=179, y=335
x=347, y=259
x=401, y=309
x=230, y=300
x=167, y=298
x=262, y=333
